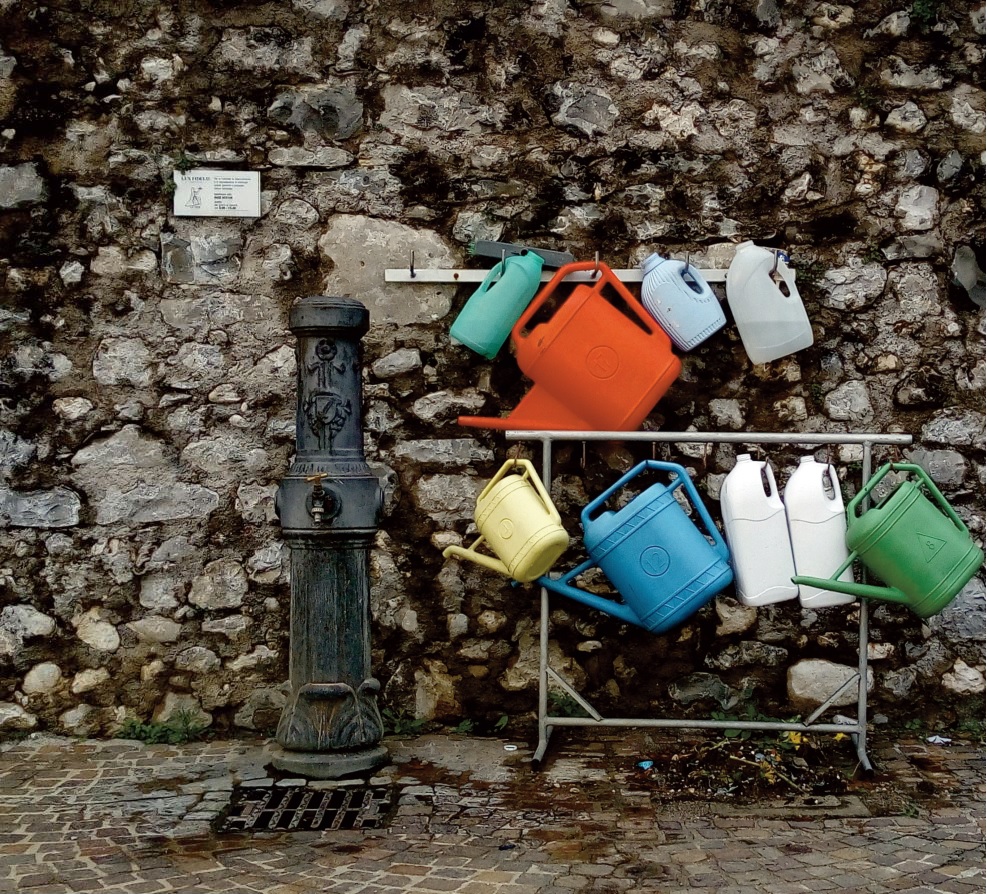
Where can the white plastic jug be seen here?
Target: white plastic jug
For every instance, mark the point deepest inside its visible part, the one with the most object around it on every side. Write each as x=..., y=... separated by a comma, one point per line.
x=817, y=525
x=770, y=317
x=756, y=531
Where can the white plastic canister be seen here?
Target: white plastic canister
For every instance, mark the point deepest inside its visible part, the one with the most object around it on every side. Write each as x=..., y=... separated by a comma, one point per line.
x=771, y=320
x=817, y=525
x=756, y=531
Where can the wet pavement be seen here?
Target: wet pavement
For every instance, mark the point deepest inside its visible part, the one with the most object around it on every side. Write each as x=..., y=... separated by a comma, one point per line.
x=471, y=815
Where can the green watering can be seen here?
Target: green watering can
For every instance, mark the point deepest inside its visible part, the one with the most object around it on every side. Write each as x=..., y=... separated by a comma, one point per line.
x=918, y=547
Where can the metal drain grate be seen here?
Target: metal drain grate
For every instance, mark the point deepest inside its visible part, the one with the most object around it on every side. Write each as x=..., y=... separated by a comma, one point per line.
x=301, y=809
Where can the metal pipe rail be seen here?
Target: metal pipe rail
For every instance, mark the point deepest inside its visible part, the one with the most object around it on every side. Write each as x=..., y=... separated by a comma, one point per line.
x=411, y=275
x=857, y=729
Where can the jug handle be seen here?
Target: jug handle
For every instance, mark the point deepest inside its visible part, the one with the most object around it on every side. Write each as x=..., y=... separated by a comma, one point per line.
x=788, y=276
x=498, y=269
x=692, y=281
x=606, y=276
x=830, y=469
x=469, y=553
x=919, y=472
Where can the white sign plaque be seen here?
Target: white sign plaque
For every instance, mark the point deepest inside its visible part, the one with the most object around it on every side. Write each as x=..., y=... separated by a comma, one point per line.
x=205, y=193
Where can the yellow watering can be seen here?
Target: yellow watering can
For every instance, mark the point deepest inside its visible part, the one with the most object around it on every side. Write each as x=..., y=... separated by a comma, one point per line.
x=519, y=524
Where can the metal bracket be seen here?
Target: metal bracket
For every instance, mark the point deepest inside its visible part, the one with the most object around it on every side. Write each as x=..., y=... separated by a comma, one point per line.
x=486, y=248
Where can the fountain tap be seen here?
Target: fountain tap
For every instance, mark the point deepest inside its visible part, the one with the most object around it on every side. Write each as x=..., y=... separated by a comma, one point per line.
x=323, y=505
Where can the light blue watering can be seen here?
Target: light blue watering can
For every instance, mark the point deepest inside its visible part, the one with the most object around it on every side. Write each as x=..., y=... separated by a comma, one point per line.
x=661, y=564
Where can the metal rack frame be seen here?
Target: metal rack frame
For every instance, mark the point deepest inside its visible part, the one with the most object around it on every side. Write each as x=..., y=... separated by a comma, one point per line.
x=547, y=722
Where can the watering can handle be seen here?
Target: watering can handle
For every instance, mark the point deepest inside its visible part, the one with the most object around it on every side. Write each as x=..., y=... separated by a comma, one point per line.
x=627, y=477
x=532, y=476
x=606, y=276
x=719, y=543
x=681, y=479
x=925, y=479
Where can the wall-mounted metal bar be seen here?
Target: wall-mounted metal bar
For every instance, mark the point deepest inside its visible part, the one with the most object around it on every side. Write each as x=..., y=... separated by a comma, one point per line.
x=699, y=437
x=853, y=681
x=463, y=275
x=856, y=729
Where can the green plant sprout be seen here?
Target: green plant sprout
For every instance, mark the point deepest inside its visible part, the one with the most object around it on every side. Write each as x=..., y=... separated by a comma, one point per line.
x=926, y=12
x=180, y=729
x=564, y=705
x=401, y=723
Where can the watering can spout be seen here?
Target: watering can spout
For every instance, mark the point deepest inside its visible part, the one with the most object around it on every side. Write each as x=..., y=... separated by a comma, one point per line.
x=564, y=587
x=471, y=555
x=537, y=410
x=850, y=588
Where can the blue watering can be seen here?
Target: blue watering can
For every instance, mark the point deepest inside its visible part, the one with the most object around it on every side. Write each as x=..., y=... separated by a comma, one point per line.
x=660, y=563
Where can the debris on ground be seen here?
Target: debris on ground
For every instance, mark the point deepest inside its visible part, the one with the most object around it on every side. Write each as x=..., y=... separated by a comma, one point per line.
x=739, y=770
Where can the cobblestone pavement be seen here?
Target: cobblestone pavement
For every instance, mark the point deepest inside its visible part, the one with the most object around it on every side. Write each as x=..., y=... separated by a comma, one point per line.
x=472, y=816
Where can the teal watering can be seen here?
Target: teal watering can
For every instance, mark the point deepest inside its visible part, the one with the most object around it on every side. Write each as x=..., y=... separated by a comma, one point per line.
x=492, y=310
x=660, y=563
x=919, y=547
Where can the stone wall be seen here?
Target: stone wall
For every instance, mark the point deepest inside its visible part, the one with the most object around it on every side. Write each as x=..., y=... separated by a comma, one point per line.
x=147, y=374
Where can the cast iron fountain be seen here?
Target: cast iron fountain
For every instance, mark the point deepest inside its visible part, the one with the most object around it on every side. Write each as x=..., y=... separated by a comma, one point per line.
x=329, y=506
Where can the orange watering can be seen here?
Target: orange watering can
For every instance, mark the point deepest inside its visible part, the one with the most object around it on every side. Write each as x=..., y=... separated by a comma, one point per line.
x=918, y=546
x=519, y=524
x=597, y=364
